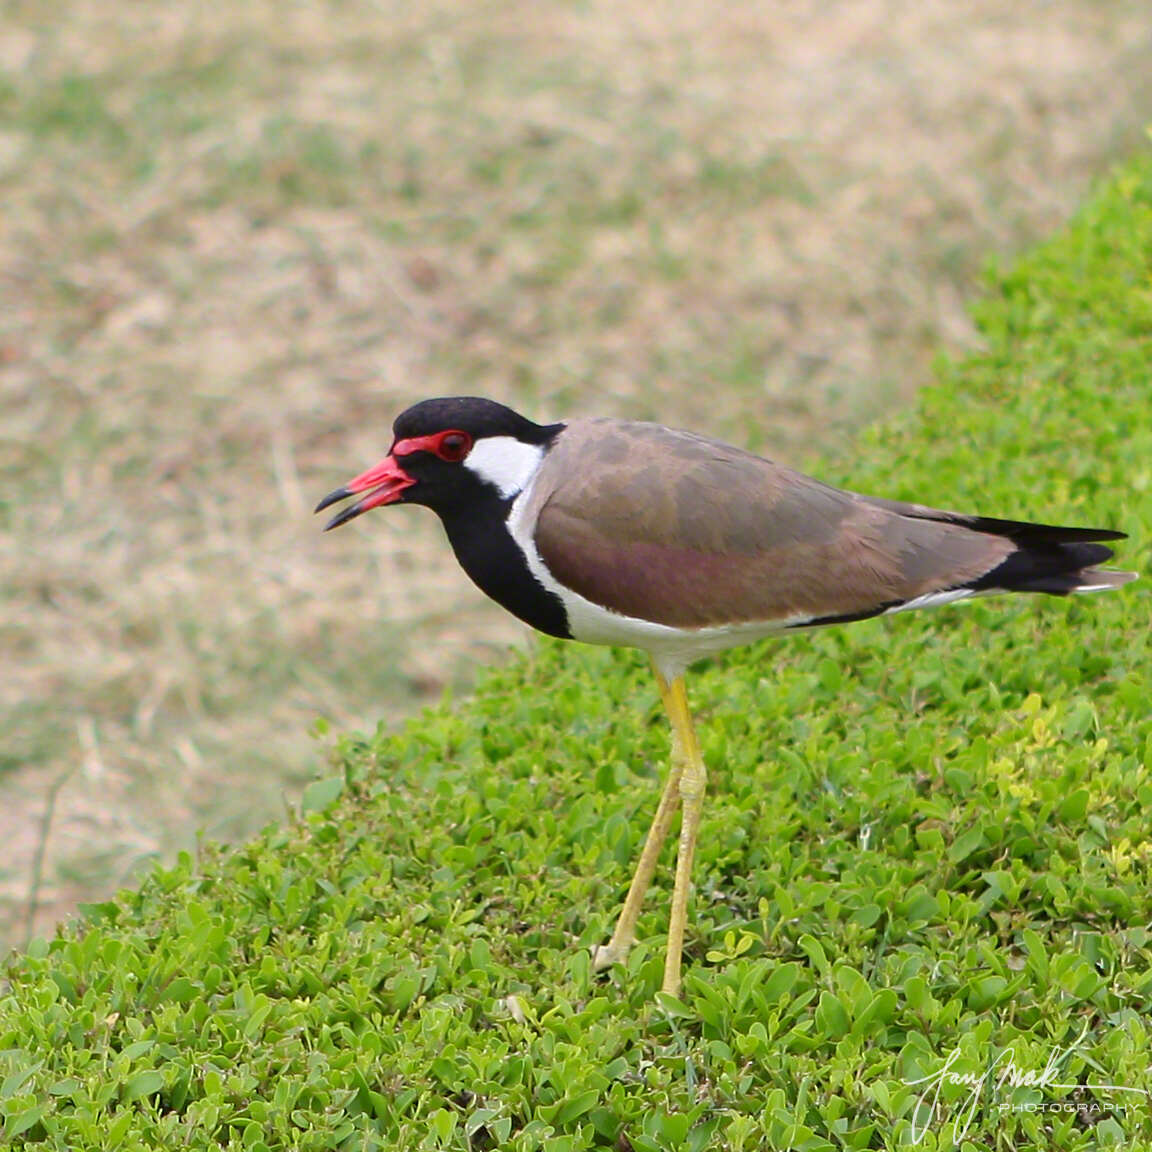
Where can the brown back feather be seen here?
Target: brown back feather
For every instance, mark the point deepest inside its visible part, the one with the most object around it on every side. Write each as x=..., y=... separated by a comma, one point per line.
x=682, y=530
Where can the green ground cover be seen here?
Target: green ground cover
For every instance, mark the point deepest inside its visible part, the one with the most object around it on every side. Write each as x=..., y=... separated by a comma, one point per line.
x=926, y=847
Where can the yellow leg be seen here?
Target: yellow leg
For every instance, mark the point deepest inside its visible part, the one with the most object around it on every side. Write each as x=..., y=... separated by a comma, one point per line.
x=693, y=781
x=624, y=936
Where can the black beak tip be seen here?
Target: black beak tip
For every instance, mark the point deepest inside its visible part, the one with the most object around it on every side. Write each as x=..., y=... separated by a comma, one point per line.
x=330, y=499
x=343, y=516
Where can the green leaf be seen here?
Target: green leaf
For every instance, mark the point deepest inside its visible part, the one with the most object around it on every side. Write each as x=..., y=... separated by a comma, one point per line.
x=143, y=1083
x=16, y=1124
x=965, y=844
x=322, y=794
x=1074, y=807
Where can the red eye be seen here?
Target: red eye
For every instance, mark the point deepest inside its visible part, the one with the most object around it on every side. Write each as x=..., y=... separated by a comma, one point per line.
x=453, y=446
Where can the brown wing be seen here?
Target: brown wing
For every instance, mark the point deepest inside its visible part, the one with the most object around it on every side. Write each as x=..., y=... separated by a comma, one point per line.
x=686, y=531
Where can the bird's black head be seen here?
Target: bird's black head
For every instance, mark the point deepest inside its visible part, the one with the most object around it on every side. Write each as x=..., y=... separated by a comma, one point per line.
x=448, y=454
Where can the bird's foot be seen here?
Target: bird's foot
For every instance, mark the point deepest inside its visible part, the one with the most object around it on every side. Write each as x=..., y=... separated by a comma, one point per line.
x=605, y=955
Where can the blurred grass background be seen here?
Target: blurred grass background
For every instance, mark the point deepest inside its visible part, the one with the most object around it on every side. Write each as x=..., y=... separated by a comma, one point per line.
x=925, y=850
x=236, y=240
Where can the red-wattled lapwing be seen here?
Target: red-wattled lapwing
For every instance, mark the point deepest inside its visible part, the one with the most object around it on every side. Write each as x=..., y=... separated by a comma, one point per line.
x=615, y=532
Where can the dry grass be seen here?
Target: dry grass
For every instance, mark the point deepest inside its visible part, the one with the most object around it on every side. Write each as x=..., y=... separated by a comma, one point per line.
x=235, y=240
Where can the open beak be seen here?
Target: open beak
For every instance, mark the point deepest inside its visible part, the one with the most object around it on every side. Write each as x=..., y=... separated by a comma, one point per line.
x=383, y=485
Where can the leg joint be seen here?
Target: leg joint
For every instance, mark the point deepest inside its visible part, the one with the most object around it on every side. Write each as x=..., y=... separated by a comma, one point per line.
x=693, y=784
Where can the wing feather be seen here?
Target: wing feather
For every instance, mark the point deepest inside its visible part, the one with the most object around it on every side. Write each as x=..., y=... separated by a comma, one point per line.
x=686, y=531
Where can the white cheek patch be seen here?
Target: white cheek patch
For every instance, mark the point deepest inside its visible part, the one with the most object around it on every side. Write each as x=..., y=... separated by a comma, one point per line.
x=504, y=462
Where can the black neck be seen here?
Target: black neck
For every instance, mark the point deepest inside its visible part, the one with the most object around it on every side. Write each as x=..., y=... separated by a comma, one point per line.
x=497, y=566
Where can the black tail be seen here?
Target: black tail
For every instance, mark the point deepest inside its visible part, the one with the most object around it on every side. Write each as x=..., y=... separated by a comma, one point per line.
x=1023, y=532
x=1049, y=559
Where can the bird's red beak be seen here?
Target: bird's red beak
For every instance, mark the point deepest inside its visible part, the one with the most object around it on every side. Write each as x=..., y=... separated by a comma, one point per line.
x=384, y=483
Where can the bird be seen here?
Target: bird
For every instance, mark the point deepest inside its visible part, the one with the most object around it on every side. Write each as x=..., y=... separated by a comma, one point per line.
x=619, y=532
